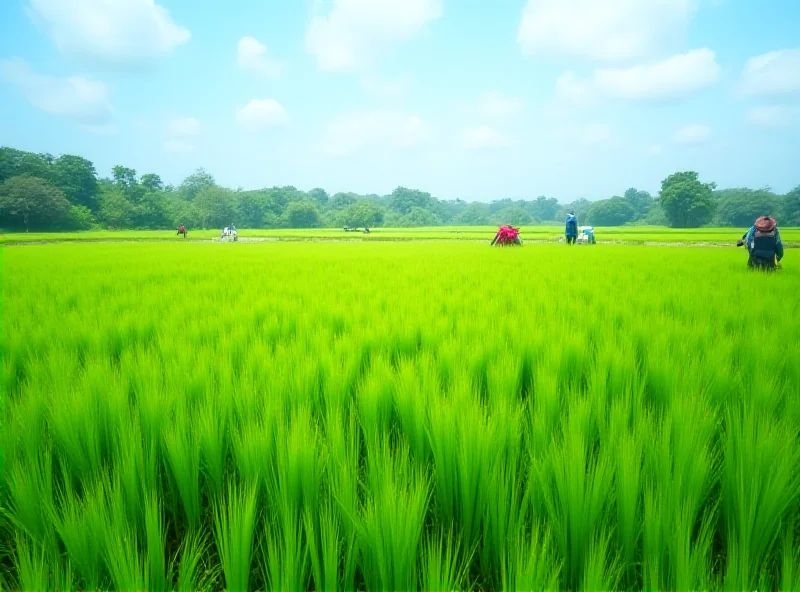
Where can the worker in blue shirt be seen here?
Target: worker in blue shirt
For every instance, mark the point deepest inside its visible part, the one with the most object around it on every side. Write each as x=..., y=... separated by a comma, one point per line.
x=763, y=242
x=571, y=228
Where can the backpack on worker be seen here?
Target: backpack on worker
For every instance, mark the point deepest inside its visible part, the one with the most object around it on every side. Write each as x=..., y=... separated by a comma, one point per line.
x=762, y=249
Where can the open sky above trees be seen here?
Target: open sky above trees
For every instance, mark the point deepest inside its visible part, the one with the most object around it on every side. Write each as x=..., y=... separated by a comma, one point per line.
x=469, y=100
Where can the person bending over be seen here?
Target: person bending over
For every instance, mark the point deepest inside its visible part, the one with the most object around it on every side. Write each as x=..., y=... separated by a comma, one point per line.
x=763, y=242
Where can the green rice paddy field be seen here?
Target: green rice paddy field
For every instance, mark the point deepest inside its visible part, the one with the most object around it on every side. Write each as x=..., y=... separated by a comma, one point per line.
x=622, y=234
x=409, y=415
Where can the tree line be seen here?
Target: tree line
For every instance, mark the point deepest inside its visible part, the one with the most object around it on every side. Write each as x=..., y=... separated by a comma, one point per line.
x=43, y=192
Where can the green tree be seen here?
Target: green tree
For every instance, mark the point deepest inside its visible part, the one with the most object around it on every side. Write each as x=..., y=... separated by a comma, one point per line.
x=124, y=177
x=363, y=213
x=499, y=204
x=300, y=214
x=686, y=201
x=579, y=206
x=544, y=208
x=319, y=196
x=250, y=207
x=115, y=210
x=18, y=163
x=741, y=206
x=449, y=211
x=404, y=200
x=215, y=206
x=195, y=183
x=125, y=180
x=151, y=211
x=419, y=216
x=791, y=208
x=151, y=182
x=181, y=212
x=32, y=203
x=79, y=218
x=514, y=215
x=278, y=198
x=475, y=214
x=340, y=201
x=640, y=202
x=611, y=212
x=76, y=177
x=656, y=215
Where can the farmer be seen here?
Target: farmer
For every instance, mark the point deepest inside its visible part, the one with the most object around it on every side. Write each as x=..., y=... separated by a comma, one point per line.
x=571, y=228
x=763, y=242
x=182, y=230
x=506, y=235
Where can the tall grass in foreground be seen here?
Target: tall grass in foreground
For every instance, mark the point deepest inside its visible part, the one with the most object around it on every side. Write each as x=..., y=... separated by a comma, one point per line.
x=398, y=416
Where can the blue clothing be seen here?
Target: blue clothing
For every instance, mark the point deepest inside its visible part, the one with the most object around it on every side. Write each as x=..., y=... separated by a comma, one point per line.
x=572, y=226
x=748, y=241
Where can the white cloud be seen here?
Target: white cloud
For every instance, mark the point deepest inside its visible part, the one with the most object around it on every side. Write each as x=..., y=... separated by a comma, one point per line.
x=494, y=105
x=773, y=115
x=571, y=89
x=356, y=32
x=254, y=57
x=374, y=130
x=261, y=113
x=183, y=127
x=597, y=133
x=118, y=32
x=612, y=30
x=772, y=74
x=693, y=134
x=179, y=146
x=484, y=137
x=672, y=78
x=75, y=97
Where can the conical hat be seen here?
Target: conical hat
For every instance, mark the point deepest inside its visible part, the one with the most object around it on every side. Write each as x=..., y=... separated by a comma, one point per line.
x=765, y=224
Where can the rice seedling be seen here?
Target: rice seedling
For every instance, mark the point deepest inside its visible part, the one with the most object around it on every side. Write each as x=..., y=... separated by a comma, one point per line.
x=392, y=522
x=158, y=573
x=284, y=556
x=191, y=573
x=531, y=564
x=760, y=491
x=234, y=532
x=33, y=569
x=444, y=569
x=393, y=415
x=183, y=460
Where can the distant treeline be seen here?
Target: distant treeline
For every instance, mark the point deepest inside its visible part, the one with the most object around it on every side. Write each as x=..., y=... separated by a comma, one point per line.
x=47, y=193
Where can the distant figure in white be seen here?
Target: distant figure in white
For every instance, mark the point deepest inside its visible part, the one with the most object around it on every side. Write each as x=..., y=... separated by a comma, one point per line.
x=229, y=233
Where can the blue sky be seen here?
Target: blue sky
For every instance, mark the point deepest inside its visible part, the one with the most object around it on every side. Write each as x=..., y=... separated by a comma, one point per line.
x=466, y=99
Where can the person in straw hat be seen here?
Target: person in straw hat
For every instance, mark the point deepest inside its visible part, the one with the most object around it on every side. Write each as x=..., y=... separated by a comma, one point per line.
x=763, y=242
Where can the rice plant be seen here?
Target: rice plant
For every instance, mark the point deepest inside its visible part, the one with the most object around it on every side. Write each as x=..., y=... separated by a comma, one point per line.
x=387, y=415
